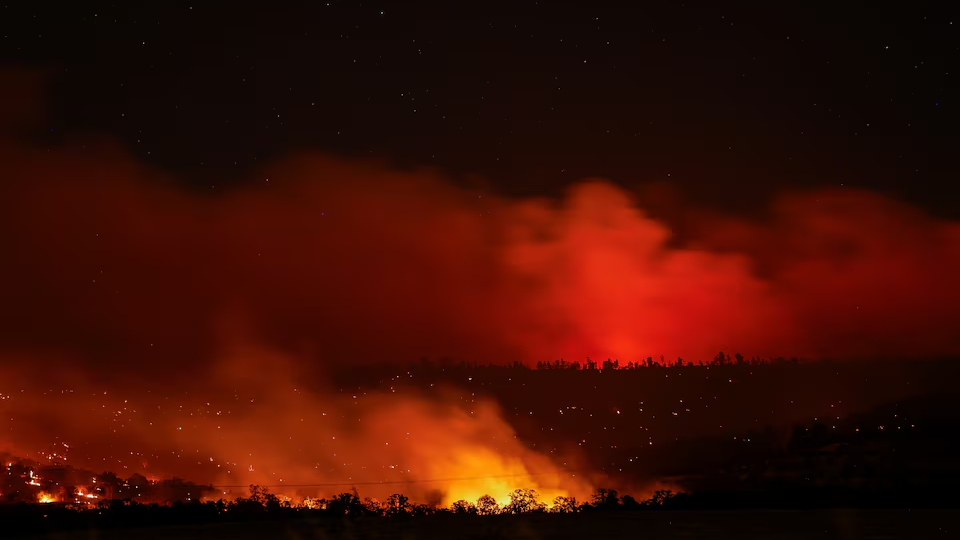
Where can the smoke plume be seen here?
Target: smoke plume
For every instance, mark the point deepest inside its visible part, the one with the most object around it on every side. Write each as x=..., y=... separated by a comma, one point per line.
x=109, y=265
x=116, y=277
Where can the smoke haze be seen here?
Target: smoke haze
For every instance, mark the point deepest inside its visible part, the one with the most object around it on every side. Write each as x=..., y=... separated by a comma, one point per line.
x=114, y=276
x=110, y=265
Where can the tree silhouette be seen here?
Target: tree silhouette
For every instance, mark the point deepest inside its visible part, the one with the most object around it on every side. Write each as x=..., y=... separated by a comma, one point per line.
x=421, y=510
x=138, y=482
x=463, y=507
x=108, y=484
x=611, y=364
x=606, y=499
x=487, y=506
x=257, y=493
x=397, y=504
x=720, y=359
x=661, y=497
x=523, y=501
x=345, y=504
x=374, y=507
x=565, y=505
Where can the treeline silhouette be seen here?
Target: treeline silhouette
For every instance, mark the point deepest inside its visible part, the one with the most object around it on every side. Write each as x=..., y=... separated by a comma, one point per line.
x=23, y=519
x=721, y=359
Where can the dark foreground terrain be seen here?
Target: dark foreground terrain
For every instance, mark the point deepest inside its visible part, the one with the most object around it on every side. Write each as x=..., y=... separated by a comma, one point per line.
x=772, y=525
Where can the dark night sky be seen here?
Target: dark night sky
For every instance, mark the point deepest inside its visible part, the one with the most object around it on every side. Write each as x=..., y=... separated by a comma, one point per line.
x=731, y=103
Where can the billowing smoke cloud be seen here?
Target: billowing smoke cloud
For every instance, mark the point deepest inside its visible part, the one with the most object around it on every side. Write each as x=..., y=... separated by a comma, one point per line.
x=350, y=262
x=112, y=276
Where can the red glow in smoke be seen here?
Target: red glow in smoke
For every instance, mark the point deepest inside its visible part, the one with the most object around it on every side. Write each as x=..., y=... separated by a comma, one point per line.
x=110, y=270
x=355, y=263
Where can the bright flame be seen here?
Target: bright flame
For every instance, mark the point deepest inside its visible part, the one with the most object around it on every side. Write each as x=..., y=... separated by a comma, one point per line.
x=430, y=448
x=498, y=476
x=46, y=498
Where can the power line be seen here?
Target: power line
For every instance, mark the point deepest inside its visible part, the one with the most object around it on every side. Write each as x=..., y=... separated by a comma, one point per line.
x=388, y=482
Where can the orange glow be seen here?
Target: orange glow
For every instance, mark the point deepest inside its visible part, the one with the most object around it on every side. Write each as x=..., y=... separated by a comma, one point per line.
x=46, y=498
x=81, y=494
x=480, y=455
x=433, y=270
x=430, y=449
x=438, y=448
x=346, y=263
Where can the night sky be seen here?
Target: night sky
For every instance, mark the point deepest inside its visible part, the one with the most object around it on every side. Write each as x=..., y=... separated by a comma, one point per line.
x=728, y=103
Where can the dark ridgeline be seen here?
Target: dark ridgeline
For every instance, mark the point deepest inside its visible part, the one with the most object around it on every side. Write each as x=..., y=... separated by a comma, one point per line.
x=653, y=418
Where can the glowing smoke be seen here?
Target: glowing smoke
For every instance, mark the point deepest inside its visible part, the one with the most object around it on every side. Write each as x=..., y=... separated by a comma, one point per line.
x=112, y=274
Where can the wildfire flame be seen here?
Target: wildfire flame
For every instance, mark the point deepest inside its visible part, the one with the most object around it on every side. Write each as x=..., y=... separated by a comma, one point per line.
x=46, y=498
